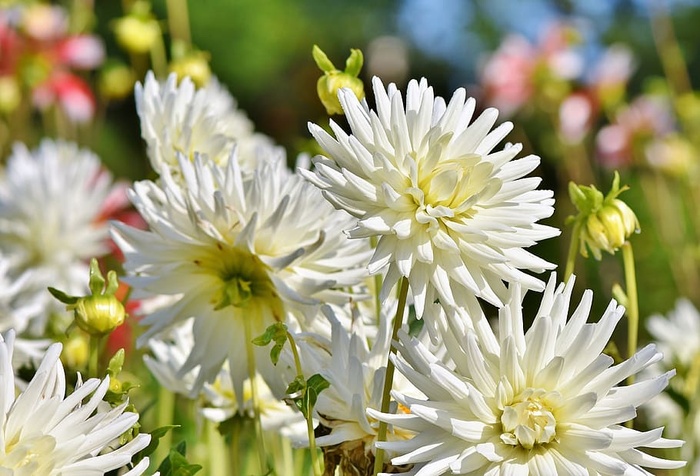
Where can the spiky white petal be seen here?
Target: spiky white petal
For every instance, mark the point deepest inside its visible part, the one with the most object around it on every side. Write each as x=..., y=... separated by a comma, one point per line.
x=452, y=213
x=547, y=401
x=178, y=118
x=51, y=200
x=219, y=233
x=43, y=431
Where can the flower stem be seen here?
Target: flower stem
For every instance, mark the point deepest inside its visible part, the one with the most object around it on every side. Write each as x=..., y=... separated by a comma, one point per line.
x=573, y=250
x=632, y=300
x=166, y=409
x=389, y=375
x=235, y=447
x=315, y=463
x=178, y=21
x=254, y=395
x=95, y=343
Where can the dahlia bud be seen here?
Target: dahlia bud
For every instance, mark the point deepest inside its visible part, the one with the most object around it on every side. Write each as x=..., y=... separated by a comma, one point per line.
x=138, y=31
x=100, y=312
x=604, y=222
x=116, y=81
x=99, y=315
x=333, y=79
x=195, y=65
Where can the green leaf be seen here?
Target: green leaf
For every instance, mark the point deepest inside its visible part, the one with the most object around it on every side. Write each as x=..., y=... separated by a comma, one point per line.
x=314, y=386
x=322, y=60
x=277, y=332
x=156, y=435
x=116, y=363
x=176, y=463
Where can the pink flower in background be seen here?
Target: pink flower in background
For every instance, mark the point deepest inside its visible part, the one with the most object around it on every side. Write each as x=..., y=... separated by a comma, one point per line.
x=645, y=118
x=510, y=76
x=576, y=115
x=37, y=49
x=507, y=75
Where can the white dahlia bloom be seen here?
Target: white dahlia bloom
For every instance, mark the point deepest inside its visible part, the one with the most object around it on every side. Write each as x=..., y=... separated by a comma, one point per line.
x=232, y=250
x=217, y=401
x=45, y=432
x=353, y=361
x=544, y=402
x=178, y=118
x=51, y=224
x=451, y=212
x=678, y=337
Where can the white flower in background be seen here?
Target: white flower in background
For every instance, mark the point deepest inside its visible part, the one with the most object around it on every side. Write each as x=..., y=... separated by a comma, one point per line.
x=217, y=401
x=353, y=361
x=546, y=402
x=451, y=213
x=678, y=337
x=178, y=118
x=45, y=432
x=51, y=200
x=231, y=250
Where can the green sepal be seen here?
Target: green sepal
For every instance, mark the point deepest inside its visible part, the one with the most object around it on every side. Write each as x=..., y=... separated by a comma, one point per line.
x=353, y=64
x=97, y=281
x=63, y=297
x=322, y=60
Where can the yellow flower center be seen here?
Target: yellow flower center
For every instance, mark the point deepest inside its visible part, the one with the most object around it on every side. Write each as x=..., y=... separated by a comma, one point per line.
x=29, y=456
x=529, y=420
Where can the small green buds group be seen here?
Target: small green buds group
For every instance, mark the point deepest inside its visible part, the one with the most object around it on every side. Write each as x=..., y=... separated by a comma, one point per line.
x=100, y=312
x=333, y=79
x=603, y=223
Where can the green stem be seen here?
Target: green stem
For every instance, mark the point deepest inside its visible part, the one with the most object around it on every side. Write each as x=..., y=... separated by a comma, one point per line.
x=216, y=452
x=573, y=250
x=389, y=375
x=95, y=343
x=166, y=410
x=315, y=463
x=178, y=21
x=377, y=280
x=250, y=351
x=235, y=447
x=632, y=300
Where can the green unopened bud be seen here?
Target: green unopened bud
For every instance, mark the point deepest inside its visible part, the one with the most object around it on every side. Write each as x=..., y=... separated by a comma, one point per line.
x=99, y=315
x=100, y=312
x=194, y=64
x=10, y=94
x=604, y=223
x=138, y=31
x=116, y=81
x=333, y=79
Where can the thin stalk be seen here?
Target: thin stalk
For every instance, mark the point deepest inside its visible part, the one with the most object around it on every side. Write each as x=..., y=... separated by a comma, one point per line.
x=178, y=21
x=315, y=463
x=216, y=452
x=573, y=250
x=166, y=410
x=377, y=281
x=389, y=375
x=632, y=301
x=95, y=344
x=235, y=447
x=669, y=50
x=250, y=351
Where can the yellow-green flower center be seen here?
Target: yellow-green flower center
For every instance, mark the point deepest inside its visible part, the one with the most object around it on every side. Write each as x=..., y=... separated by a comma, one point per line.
x=242, y=281
x=529, y=420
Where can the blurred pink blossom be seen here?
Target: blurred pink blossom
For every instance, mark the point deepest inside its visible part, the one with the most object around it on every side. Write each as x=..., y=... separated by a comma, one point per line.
x=576, y=115
x=511, y=74
x=645, y=118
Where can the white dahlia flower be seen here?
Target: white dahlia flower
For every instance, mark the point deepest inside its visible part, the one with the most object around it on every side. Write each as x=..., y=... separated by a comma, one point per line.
x=451, y=213
x=51, y=223
x=178, y=118
x=45, y=432
x=236, y=253
x=543, y=402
